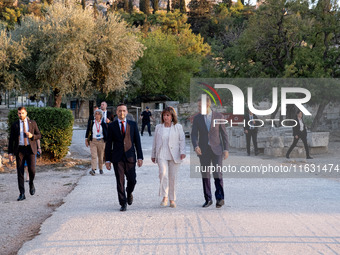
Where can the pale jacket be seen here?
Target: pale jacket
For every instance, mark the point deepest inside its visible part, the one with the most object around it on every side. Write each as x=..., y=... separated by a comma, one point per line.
x=176, y=142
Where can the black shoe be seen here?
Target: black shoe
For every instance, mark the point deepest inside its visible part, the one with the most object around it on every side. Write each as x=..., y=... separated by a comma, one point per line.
x=141, y=134
x=150, y=135
x=123, y=208
x=21, y=197
x=207, y=203
x=219, y=203
x=309, y=157
x=287, y=156
x=92, y=172
x=130, y=199
x=248, y=154
x=101, y=171
x=32, y=189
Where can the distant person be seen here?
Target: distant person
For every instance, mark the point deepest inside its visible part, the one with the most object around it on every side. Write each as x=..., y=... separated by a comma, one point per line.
x=123, y=142
x=299, y=132
x=145, y=116
x=95, y=107
x=23, y=144
x=250, y=130
x=25, y=166
x=95, y=137
x=168, y=151
x=107, y=116
x=210, y=143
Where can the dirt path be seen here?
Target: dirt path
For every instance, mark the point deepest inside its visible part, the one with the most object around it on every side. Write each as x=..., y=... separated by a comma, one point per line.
x=21, y=221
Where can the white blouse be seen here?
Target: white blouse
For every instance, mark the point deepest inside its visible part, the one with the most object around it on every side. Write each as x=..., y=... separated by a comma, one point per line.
x=164, y=152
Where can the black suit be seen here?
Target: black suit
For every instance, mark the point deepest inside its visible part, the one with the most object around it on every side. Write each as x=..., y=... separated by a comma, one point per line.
x=212, y=144
x=24, y=153
x=121, y=151
x=301, y=135
x=251, y=132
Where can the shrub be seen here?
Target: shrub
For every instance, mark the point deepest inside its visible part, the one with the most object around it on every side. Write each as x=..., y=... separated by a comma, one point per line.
x=55, y=125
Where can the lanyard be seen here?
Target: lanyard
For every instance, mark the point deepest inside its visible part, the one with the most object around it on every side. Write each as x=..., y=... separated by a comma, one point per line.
x=97, y=126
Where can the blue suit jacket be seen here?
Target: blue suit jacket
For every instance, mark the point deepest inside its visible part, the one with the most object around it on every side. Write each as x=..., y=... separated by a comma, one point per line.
x=217, y=136
x=119, y=147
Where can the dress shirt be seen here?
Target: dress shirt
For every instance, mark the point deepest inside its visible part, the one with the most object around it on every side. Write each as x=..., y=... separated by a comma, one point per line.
x=21, y=139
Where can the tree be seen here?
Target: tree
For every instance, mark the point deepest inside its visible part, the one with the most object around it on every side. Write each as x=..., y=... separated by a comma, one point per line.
x=72, y=53
x=169, y=62
x=11, y=53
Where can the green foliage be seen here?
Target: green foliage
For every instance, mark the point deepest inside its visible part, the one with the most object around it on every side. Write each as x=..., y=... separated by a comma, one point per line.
x=11, y=53
x=55, y=125
x=70, y=52
x=169, y=62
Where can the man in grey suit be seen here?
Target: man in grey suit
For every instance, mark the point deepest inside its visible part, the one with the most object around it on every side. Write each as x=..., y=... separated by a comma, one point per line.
x=210, y=143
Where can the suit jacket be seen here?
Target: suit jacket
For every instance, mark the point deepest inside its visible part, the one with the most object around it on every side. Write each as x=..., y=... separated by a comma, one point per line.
x=296, y=129
x=217, y=136
x=247, y=118
x=90, y=124
x=118, y=145
x=109, y=115
x=176, y=142
x=13, y=145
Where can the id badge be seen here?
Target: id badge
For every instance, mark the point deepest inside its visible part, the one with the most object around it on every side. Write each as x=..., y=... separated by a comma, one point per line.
x=98, y=137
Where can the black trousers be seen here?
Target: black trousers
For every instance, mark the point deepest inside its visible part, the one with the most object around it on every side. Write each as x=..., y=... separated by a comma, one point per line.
x=25, y=154
x=304, y=140
x=128, y=169
x=252, y=134
x=207, y=159
x=146, y=124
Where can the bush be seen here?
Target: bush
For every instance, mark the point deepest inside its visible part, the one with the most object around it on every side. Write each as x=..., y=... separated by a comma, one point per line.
x=55, y=125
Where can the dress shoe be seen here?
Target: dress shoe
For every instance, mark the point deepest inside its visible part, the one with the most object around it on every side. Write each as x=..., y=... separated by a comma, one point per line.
x=309, y=157
x=123, y=208
x=219, y=203
x=130, y=199
x=172, y=204
x=21, y=197
x=92, y=172
x=287, y=156
x=101, y=171
x=164, y=202
x=32, y=189
x=207, y=203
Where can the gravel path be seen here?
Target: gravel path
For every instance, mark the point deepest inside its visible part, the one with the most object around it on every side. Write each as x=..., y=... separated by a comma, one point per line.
x=261, y=216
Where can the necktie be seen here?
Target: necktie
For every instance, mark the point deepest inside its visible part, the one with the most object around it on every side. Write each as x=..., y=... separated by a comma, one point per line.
x=208, y=122
x=25, y=138
x=123, y=128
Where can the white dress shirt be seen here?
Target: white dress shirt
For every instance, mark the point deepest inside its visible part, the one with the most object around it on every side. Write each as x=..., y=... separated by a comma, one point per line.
x=21, y=139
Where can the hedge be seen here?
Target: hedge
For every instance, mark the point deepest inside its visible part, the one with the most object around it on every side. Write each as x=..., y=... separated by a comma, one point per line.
x=55, y=125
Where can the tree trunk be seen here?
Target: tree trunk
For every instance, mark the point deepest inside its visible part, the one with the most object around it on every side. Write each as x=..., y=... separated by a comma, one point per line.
x=57, y=98
x=318, y=116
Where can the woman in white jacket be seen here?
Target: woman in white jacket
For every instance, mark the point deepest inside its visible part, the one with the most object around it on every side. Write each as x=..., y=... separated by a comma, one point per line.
x=168, y=151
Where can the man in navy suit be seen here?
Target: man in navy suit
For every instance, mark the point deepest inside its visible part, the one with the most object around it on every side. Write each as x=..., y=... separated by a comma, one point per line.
x=210, y=143
x=23, y=144
x=123, y=142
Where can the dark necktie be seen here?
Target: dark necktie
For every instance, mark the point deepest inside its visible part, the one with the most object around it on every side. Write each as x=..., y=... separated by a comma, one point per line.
x=123, y=128
x=25, y=138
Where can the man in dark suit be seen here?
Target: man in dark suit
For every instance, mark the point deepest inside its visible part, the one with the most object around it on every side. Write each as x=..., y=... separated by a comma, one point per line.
x=210, y=143
x=123, y=142
x=107, y=116
x=250, y=129
x=299, y=132
x=23, y=144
